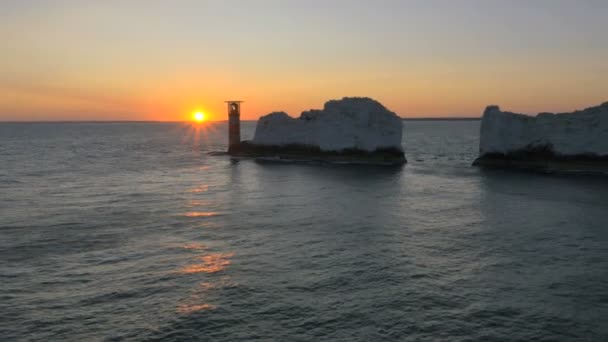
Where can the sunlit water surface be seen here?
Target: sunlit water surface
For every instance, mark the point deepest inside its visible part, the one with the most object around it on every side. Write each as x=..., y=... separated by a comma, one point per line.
x=132, y=232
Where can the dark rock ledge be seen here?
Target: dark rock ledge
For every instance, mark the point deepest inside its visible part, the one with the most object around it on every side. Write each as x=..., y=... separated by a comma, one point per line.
x=296, y=152
x=543, y=159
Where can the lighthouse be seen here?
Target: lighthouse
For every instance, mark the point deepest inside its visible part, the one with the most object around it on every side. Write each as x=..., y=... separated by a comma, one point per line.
x=234, y=124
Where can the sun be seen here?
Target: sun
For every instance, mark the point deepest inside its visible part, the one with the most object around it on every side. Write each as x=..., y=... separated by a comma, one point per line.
x=198, y=116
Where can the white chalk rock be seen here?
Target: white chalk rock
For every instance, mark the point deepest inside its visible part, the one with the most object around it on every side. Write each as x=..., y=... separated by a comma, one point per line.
x=350, y=123
x=566, y=134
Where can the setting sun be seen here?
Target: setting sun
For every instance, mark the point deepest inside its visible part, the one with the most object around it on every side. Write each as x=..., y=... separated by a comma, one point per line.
x=198, y=116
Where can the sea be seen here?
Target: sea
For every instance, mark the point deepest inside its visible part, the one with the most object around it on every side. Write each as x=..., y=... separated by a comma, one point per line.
x=134, y=232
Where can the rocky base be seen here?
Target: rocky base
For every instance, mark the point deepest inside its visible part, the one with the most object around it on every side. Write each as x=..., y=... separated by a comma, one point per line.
x=296, y=152
x=546, y=162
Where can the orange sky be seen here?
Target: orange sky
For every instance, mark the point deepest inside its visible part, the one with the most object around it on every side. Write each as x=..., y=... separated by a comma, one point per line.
x=91, y=60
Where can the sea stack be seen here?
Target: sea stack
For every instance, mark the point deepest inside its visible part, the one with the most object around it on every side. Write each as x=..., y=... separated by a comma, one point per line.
x=350, y=130
x=574, y=142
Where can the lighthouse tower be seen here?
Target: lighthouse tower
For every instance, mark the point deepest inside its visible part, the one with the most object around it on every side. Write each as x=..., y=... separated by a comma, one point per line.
x=234, y=123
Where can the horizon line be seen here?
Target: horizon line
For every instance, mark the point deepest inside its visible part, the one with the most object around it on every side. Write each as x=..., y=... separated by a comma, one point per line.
x=190, y=121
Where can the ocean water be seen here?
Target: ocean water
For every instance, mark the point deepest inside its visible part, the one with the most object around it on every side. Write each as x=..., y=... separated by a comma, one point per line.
x=131, y=231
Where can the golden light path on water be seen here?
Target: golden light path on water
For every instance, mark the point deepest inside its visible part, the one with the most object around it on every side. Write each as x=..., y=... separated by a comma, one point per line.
x=206, y=264
x=194, y=246
x=197, y=302
x=199, y=214
x=187, y=308
x=209, y=265
x=200, y=188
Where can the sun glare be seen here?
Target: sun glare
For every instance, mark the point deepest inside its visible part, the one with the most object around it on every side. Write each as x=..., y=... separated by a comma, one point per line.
x=198, y=116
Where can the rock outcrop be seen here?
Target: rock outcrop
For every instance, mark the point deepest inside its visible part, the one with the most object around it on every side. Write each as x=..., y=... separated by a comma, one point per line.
x=349, y=130
x=569, y=142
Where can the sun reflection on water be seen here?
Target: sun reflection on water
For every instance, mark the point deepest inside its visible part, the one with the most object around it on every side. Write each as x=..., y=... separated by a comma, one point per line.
x=199, y=189
x=200, y=214
x=210, y=263
x=198, y=203
x=194, y=246
x=223, y=282
x=198, y=300
x=190, y=308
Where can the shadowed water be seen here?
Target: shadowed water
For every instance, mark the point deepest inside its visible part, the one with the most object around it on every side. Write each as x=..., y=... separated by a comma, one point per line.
x=132, y=232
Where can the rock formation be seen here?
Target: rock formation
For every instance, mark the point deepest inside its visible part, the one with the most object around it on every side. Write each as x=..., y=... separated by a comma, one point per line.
x=576, y=141
x=349, y=130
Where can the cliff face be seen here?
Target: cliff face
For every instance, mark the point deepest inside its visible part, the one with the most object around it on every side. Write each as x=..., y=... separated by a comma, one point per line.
x=580, y=133
x=349, y=124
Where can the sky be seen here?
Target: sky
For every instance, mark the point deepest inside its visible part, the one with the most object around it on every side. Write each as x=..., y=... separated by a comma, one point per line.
x=161, y=60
